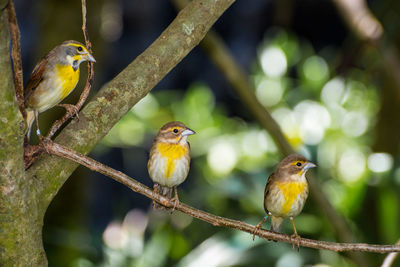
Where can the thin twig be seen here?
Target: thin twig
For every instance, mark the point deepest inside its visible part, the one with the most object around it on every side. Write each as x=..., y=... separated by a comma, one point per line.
x=16, y=56
x=90, y=78
x=390, y=258
x=61, y=151
x=89, y=82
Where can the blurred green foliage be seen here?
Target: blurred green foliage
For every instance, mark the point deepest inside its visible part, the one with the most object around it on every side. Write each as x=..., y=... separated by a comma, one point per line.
x=327, y=117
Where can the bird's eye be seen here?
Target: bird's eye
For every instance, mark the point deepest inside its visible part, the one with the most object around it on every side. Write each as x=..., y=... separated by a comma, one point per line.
x=298, y=164
x=175, y=130
x=80, y=49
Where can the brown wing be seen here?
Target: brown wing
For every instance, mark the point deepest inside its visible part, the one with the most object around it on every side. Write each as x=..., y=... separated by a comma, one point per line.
x=266, y=191
x=36, y=78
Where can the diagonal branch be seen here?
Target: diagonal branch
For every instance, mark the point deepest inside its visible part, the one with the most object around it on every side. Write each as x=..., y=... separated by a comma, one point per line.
x=58, y=150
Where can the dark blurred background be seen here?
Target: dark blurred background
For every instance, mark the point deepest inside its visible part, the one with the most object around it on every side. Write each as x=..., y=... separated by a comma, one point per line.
x=335, y=95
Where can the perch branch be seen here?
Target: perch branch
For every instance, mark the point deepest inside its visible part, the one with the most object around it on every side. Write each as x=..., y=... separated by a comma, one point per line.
x=16, y=56
x=89, y=82
x=237, y=77
x=58, y=150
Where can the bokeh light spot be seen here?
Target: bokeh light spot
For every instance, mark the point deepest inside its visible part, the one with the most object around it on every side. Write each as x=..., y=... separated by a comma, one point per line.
x=269, y=92
x=222, y=157
x=354, y=124
x=380, y=162
x=352, y=165
x=135, y=221
x=273, y=61
x=333, y=91
x=255, y=143
x=314, y=119
x=147, y=107
x=115, y=236
x=290, y=259
x=315, y=69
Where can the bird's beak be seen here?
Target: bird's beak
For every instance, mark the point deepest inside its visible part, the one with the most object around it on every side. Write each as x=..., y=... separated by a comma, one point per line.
x=89, y=57
x=309, y=165
x=188, y=132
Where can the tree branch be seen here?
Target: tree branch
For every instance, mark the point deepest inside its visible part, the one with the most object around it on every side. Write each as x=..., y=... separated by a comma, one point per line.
x=124, y=91
x=58, y=150
x=16, y=56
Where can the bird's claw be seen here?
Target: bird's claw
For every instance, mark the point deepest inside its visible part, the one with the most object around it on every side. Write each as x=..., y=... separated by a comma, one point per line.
x=42, y=141
x=175, y=202
x=255, y=231
x=71, y=110
x=257, y=228
x=296, y=242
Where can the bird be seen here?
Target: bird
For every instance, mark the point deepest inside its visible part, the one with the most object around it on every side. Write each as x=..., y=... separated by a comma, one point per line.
x=53, y=79
x=169, y=160
x=286, y=192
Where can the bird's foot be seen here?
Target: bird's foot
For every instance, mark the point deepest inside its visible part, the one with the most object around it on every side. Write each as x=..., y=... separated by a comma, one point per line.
x=175, y=202
x=257, y=228
x=296, y=241
x=71, y=110
x=43, y=141
x=156, y=190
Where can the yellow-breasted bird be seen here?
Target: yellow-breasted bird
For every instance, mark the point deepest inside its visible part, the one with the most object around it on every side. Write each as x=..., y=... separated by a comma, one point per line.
x=286, y=192
x=169, y=160
x=53, y=79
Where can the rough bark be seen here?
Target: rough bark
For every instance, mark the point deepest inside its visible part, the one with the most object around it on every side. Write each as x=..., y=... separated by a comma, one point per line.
x=20, y=222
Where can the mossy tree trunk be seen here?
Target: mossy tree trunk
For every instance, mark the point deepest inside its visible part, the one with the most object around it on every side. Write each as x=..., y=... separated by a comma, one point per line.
x=20, y=219
x=25, y=195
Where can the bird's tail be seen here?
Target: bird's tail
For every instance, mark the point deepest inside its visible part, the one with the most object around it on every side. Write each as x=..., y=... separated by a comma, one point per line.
x=30, y=118
x=276, y=224
x=163, y=190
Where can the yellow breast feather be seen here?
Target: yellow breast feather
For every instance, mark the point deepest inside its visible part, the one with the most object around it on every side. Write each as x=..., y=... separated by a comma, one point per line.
x=172, y=152
x=68, y=77
x=290, y=191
